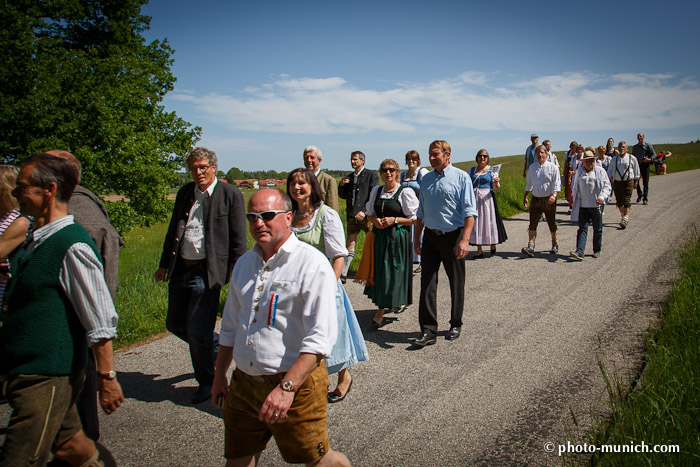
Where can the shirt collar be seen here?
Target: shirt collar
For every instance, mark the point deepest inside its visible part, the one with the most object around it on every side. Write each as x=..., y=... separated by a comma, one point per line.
x=285, y=249
x=206, y=193
x=52, y=227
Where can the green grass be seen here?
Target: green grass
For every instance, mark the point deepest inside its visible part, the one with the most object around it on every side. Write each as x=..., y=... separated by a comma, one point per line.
x=664, y=407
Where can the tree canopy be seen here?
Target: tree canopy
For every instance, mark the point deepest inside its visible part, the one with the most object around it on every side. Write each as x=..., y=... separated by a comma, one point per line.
x=78, y=75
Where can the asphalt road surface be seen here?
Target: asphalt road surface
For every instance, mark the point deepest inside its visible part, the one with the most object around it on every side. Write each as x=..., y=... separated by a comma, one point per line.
x=534, y=333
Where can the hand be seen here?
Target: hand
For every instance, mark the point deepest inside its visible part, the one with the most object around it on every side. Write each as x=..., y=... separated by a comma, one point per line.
x=160, y=275
x=377, y=223
x=360, y=216
x=416, y=246
x=276, y=405
x=219, y=386
x=343, y=181
x=525, y=202
x=552, y=199
x=111, y=396
x=462, y=248
x=600, y=201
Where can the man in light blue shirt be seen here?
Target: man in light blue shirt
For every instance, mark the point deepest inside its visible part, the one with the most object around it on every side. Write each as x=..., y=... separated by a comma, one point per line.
x=530, y=153
x=447, y=211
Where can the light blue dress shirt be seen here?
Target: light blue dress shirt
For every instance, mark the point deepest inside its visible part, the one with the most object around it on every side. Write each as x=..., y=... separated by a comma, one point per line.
x=446, y=199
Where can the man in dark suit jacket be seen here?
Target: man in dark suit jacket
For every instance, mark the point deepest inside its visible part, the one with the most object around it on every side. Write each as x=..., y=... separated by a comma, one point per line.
x=644, y=152
x=355, y=189
x=205, y=238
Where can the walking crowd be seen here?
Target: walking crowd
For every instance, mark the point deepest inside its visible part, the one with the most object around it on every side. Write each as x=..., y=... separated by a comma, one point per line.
x=288, y=322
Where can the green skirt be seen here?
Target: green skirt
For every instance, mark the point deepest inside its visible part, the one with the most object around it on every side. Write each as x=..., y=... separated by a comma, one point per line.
x=393, y=277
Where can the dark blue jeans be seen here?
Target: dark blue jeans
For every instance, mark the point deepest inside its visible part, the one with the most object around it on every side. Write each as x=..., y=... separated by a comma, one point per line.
x=588, y=216
x=192, y=309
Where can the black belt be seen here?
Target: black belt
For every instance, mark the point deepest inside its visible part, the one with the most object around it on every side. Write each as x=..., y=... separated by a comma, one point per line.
x=442, y=232
x=192, y=262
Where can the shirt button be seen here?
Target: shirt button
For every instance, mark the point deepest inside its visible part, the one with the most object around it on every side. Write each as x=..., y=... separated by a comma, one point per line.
x=250, y=363
x=267, y=268
x=260, y=287
x=257, y=299
x=255, y=308
x=250, y=342
x=255, y=320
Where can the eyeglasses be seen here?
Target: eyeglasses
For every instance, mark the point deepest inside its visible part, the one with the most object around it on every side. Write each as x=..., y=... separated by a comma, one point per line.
x=483, y=155
x=264, y=216
x=387, y=169
x=201, y=168
x=23, y=188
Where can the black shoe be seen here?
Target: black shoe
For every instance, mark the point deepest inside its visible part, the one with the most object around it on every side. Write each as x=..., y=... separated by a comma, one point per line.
x=424, y=340
x=453, y=333
x=645, y=202
x=335, y=397
x=639, y=198
x=343, y=279
x=202, y=394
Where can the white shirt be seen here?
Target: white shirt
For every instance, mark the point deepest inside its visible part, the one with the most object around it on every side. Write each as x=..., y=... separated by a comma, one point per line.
x=624, y=168
x=407, y=199
x=543, y=179
x=193, y=247
x=82, y=278
x=551, y=157
x=279, y=308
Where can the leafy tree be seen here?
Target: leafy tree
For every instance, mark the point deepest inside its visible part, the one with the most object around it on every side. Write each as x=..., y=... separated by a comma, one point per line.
x=235, y=174
x=78, y=75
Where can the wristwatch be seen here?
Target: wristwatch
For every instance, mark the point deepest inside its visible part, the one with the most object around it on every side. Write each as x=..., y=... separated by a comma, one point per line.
x=288, y=386
x=110, y=375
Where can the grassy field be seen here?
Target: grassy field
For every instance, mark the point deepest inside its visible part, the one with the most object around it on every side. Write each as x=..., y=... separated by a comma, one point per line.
x=142, y=304
x=664, y=407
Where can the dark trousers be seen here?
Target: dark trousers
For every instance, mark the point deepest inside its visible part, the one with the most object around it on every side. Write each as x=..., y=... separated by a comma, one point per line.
x=587, y=216
x=644, y=180
x=192, y=309
x=438, y=249
x=86, y=403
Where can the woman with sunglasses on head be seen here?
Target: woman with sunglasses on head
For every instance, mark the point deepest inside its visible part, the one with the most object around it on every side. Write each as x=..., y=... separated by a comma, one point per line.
x=320, y=226
x=392, y=209
x=488, y=225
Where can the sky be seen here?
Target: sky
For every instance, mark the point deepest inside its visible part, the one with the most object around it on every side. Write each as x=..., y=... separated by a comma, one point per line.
x=266, y=79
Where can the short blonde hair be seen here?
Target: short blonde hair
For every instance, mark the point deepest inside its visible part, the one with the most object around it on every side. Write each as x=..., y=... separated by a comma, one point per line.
x=442, y=145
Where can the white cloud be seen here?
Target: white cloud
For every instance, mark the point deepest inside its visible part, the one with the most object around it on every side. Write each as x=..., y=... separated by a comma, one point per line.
x=472, y=101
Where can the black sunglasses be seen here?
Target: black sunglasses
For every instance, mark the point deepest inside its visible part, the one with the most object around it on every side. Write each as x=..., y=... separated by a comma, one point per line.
x=264, y=216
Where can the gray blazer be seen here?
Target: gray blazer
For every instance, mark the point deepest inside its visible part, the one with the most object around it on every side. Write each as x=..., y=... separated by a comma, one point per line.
x=224, y=231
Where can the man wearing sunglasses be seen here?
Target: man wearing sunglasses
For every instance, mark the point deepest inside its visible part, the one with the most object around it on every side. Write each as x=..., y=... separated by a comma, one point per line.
x=278, y=325
x=205, y=238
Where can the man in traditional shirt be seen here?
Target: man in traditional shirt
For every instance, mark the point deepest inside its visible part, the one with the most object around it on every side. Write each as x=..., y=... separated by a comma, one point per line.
x=278, y=325
x=544, y=182
x=624, y=173
x=55, y=307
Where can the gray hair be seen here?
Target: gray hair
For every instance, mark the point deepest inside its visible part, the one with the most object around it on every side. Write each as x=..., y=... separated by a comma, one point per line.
x=200, y=153
x=314, y=149
x=359, y=154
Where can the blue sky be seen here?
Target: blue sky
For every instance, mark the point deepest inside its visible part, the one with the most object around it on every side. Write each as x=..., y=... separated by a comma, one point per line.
x=265, y=79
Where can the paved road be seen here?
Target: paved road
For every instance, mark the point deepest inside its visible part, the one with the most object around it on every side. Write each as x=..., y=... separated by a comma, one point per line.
x=534, y=331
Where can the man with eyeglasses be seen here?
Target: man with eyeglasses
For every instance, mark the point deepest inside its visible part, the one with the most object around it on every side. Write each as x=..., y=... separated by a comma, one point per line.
x=205, y=238
x=56, y=306
x=447, y=210
x=278, y=325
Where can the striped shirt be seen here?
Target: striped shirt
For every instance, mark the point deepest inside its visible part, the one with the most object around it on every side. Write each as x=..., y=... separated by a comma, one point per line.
x=6, y=221
x=82, y=279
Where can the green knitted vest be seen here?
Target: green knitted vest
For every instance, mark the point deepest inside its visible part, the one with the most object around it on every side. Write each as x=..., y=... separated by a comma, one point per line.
x=40, y=332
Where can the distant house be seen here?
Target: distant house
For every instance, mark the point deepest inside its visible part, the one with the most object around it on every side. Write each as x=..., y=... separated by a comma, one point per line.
x=248, y=183
x=273, y=182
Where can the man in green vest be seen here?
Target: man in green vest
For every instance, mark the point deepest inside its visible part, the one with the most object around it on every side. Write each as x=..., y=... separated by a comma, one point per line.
x=57, y=304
